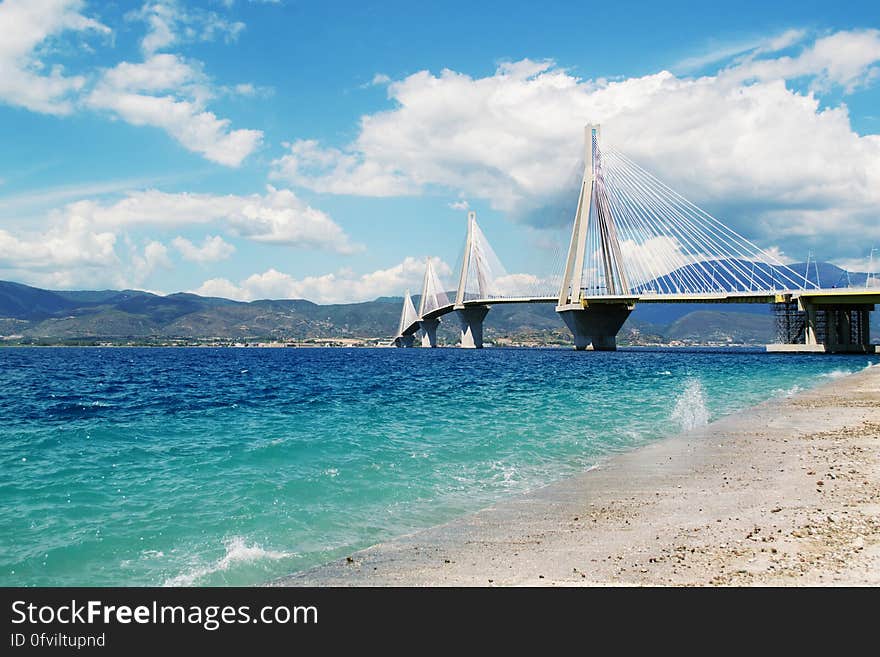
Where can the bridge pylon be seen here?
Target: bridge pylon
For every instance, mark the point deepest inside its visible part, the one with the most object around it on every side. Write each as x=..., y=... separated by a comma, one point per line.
x=595, y=324
x=471, y=317
x=429, y=331
x=433, y=299
x=408, y=316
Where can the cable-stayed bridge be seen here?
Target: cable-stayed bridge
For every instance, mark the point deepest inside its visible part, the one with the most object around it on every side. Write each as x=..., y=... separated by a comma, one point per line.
x=635, y=240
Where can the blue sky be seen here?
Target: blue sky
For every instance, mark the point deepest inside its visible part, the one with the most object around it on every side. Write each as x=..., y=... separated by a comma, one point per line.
x=291, y=149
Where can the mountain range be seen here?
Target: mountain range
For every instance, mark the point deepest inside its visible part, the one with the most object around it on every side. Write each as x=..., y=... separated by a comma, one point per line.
x=32, y=315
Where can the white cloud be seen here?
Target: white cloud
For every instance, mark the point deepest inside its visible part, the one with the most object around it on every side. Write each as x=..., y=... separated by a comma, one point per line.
x=230, y=3
x=170, y=23
x=781, y=41
x=79, y=245
x=25, y=27
x=69, y=252
x=868, y=264
x=278, y=216
x=343, y=286
x=213, y=249
x=70, y=243
x=656, y=257
x=220, y=287
x=131, y=91
x=330, y=170
x=846, y=59
x=158, y=73
x=740, y=141
x=164, y=91
x=16, y=205
x=741, y=49
x=777, y=254
x=459, y=205
x=525, y=285
x=155, y=256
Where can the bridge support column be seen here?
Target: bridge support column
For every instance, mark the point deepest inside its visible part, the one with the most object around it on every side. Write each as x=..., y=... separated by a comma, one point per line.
x=471, y=318
x=827, y=328
x=811, y=330
x=405, y=341
x=596, y=327
x=429, y=332
x=864, y=327
x=847, y=329
x=844, y=328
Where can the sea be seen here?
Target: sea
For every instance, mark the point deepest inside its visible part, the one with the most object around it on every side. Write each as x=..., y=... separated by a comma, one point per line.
x=235, y=466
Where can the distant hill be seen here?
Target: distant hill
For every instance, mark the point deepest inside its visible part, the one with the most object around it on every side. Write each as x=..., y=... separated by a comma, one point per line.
x=715, y=326
x=42, y=315
x=33, y=315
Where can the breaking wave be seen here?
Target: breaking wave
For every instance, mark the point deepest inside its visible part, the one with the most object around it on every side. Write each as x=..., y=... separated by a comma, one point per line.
x=690, y=408
x=237, y=552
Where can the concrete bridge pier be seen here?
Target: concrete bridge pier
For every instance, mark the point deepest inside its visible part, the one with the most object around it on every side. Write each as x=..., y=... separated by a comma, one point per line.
x=429, y=332
x=827, y=327
x=837, y=328
x=596, y=327
x=405, y=341
x=471, y=318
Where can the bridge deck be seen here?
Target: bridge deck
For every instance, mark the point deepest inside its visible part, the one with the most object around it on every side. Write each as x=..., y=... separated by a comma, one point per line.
x=820, y=297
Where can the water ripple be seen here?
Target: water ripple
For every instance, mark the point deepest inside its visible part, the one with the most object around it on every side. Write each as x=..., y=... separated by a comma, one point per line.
x=232, y=466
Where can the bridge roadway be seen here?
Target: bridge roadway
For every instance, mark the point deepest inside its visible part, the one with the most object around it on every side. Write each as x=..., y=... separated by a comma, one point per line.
x=621, y=204
x=819, y=297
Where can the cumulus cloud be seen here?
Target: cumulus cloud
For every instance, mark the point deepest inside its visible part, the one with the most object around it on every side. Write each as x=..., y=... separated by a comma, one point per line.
x=213, y=249
x=80, y=244
x=71, y=251
x=277, y=217
x=744, y=141
x=154, y=256
x=343, y=286
x=333, y=171
x=166, y=92
x=163, y=91
x=25, y=80
x=74, y=242
x=525, y=285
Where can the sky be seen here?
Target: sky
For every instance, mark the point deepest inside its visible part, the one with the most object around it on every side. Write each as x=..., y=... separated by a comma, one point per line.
x=322, y=150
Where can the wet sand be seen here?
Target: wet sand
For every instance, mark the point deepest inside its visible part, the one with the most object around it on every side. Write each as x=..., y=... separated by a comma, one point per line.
x=784, y=493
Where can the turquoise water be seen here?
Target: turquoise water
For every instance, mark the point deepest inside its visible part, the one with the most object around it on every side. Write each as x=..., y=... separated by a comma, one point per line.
x=235, y=466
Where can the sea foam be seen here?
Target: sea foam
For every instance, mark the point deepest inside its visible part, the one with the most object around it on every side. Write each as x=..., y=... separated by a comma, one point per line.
x=237, y=552
x=690, y=408
x=835, y=374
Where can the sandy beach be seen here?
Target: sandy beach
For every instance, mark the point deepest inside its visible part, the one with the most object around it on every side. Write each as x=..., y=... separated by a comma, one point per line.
x=784, y=493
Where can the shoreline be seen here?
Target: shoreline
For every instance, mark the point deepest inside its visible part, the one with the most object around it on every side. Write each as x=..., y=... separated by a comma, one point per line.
x=784, y=493
x=489, y=345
